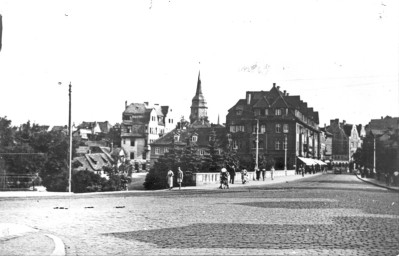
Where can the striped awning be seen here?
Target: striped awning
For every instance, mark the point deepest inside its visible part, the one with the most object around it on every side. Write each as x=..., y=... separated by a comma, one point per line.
x=310, y=161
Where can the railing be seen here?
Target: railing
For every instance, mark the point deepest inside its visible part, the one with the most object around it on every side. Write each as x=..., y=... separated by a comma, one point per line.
x=214, y=177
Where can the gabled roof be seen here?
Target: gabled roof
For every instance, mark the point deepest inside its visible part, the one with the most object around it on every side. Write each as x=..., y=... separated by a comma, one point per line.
x=262, y=103
x=135, y=109
x=378, y=126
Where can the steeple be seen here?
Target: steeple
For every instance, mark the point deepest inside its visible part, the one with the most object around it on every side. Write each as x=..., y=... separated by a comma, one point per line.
x=198, y=105
x=199, y=89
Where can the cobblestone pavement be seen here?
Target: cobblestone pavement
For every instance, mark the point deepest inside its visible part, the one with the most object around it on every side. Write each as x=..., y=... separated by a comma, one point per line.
x=323, y=215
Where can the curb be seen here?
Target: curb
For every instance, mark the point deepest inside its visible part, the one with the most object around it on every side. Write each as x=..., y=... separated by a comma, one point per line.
x=59, y=247
x=376, y=184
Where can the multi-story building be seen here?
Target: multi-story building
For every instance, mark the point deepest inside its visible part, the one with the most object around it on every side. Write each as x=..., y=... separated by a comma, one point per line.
x=199, y=130
x=340, y=142
x=355, y=141
x=142, y=124
x=280, y=121
x=325, y=145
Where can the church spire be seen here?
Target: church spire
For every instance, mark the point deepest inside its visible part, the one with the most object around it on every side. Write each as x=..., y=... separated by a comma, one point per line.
x=199, y=89
x=198, y=106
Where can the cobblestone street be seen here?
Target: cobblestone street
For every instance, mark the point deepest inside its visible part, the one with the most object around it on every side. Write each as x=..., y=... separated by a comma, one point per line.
x=321, y=215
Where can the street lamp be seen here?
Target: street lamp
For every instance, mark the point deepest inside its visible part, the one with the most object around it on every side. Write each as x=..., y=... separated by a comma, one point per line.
x=70, y=138
x=285, y=154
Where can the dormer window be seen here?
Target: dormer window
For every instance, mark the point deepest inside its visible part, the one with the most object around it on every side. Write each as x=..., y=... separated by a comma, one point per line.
x=239, y=110
x=277, y=111
x=257, y=112
x=266, y=112
x=176, y=137
x=194, y=138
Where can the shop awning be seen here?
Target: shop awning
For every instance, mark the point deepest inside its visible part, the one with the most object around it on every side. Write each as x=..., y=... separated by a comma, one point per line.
x=307, y=161
x=310, y=161
x=319, y=162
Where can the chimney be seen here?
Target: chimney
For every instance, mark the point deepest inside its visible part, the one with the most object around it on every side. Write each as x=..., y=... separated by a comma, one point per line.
x=288, y=94
x=382, y=117
x=146, y=103
x=125, y=104
x=285, y=92
x=248, y=98
x=278, y=87
x=274, y=84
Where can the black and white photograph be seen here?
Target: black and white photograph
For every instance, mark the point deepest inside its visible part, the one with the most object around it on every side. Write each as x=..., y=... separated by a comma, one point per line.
x=199, y=127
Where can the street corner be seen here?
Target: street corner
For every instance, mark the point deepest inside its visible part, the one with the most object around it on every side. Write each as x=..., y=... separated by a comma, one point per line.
x=17, y=239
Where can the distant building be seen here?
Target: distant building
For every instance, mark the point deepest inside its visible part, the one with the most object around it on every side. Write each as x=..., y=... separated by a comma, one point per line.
x=354, y=138
x=198, y=131
x=325, y=145
x=142, y=124
x=284, y=122
x=340, y=142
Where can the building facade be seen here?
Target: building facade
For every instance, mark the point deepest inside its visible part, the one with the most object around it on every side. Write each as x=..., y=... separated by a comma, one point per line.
x=142, y=124
x=276, y=124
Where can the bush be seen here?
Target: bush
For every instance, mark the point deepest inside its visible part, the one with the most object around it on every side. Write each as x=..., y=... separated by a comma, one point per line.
x=155, y=180
x=56, y=183
x=86, y=181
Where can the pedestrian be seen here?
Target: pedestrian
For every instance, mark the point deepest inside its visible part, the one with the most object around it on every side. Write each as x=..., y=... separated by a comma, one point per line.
x=244, y=175
x=232, y=172
x=179, y=177
x=303, y=171
x=387, y=178
x=272, y=173
x=263, y=173
x=224, y=178
x=257, y=171
x=169, y=177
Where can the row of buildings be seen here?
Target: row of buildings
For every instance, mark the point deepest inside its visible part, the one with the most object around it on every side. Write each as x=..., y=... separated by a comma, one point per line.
x=267, y=123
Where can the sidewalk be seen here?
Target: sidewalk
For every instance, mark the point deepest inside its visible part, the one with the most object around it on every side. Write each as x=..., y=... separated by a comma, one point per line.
x=378, y=183
x=252, y=183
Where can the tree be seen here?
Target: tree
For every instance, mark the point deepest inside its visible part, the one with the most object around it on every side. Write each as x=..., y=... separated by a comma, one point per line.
x=86, y=181
x=213, y=161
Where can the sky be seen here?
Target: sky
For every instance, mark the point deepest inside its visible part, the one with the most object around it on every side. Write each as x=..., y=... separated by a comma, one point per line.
x=340, y=56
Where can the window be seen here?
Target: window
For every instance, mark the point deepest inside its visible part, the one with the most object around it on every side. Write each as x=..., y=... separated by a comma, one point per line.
x=235, y=144
x=144, y=155
x=157, y=151
x=239, y=110
x=232, y=128
x=278, y=128
x=277, y=112
x=266, y=112
x=194, y=138
x=285, y=144
x=176, y=137
x=277, y=145
x=166, y=150
x=257, y=112
x=262, y=128
x=131, y=155
x=132, y=142
x=240, y=128
x=128, y=129
x=285, y=128
x=153, y=118
x=126, y=117
x=124, y=141
x=201, y=152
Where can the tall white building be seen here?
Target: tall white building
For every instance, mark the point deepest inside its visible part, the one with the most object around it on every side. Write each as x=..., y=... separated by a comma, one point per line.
x=142, y=124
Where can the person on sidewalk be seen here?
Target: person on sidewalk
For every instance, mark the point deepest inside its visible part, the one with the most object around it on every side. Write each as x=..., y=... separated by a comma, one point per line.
x=257, y=171
x=233, y=174
x=302, y=170
x=224, y=178
x=263, y=173
x=179, y=177
x=272, y=173
x=169, y=178
x=387, y=178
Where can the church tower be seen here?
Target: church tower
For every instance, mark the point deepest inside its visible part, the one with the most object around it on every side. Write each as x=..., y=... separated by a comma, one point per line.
x=198, y=106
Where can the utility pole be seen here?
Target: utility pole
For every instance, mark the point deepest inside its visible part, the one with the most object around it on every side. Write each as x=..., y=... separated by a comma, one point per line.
x=257, y=145
x=374, y=171
x=70, y=139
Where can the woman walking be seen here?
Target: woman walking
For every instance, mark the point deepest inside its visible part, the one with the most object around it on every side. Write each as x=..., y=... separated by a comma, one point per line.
x=169, y=177
x=179, y=177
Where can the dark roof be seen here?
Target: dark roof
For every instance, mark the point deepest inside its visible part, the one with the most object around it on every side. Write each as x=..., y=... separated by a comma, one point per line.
x=347, y=129
x=359, y=128
x=276, y=98
x=135, y=108
x=104, y=126
x=379, y=126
